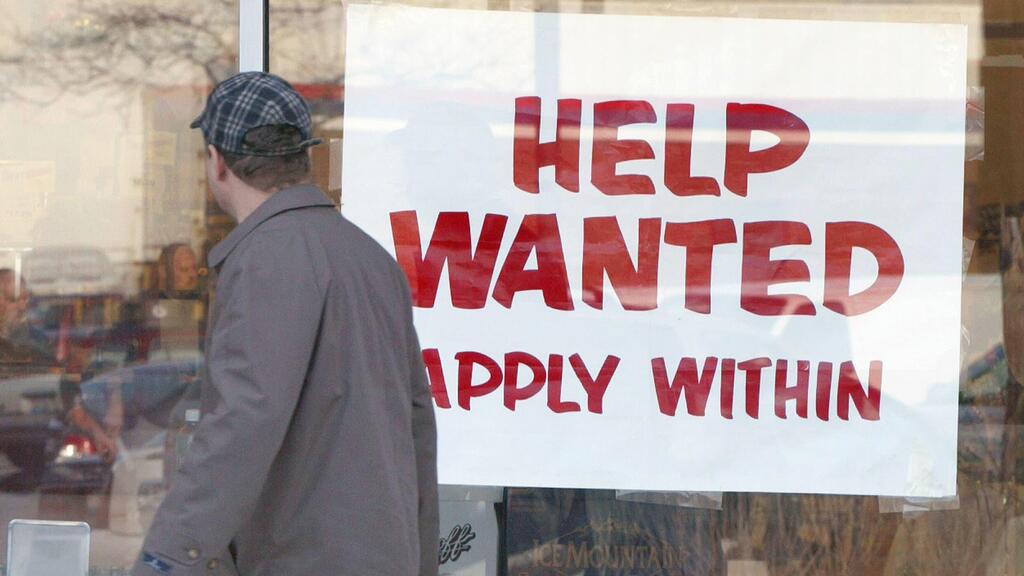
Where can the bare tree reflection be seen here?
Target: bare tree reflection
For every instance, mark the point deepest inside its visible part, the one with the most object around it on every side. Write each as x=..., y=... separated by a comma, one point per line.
x=104, y=46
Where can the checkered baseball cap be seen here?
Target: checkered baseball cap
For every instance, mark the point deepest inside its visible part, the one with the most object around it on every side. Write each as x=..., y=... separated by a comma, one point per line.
x=251, y=100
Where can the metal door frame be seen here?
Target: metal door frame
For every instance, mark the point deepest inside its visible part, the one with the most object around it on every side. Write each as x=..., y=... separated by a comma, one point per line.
x=253, y=35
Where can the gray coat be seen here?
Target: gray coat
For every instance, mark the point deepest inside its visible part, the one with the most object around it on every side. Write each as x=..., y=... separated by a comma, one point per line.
x=316, y=452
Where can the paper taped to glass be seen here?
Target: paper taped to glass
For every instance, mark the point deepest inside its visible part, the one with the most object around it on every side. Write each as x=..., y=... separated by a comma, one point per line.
x=661, y=253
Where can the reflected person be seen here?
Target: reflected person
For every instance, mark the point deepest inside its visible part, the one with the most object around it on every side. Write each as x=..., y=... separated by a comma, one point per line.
x=174, y=309
x=18, y=343
x=177, y=272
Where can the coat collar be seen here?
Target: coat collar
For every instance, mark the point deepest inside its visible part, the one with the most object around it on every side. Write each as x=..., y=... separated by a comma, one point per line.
x=291, y=198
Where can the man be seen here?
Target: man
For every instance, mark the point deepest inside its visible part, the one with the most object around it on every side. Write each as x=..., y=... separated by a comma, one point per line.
x=25, y=351
x=316, y=449
x=13, y=302
x=19, y=344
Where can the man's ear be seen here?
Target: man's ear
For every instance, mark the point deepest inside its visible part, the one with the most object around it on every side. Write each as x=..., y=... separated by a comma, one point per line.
x=219, y=167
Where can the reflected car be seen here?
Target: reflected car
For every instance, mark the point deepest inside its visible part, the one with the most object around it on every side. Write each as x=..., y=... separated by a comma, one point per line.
x=31, y=423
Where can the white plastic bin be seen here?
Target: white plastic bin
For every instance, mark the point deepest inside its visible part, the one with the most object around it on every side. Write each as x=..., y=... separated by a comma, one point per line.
x=37, y=548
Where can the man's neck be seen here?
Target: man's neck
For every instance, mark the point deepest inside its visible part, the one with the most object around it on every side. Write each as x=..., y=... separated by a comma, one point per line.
x=248, y=201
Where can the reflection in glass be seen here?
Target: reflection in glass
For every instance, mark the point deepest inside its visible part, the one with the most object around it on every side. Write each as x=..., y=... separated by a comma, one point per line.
x=104, y=225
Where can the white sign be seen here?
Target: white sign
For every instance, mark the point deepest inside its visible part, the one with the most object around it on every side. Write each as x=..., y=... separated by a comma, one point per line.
x=658, y=253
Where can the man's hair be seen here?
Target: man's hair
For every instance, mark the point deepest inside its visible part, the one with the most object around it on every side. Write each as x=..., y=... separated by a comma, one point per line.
x=270, y=172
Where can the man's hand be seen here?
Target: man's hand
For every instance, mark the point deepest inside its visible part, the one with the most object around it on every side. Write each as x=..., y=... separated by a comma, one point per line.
x=105, y=445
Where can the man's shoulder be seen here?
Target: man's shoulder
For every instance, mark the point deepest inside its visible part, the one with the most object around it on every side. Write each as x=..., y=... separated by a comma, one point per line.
x=290, y=228
x=318, y=238
x=300, y=219
x=281, y=243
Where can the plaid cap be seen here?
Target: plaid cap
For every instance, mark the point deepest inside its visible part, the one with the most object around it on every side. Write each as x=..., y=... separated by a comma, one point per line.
x=251, y=100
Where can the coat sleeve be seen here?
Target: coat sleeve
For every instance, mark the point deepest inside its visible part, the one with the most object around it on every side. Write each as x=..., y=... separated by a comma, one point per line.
x=424, y=429
x=259, y=357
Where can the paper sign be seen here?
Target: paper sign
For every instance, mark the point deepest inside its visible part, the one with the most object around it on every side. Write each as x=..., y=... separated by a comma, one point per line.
x=659, y=253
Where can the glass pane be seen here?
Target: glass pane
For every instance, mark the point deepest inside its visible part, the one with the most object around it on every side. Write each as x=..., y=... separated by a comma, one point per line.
x=576, y=531
x=104, y=224
x=307, y=47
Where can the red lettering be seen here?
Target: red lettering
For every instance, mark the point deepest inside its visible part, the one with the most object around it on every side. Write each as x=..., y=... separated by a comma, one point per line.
x=760, y=271
x=740, y=161
x=798, y=392
x=699, y=239
x=686, y=381
x=528, y=154
x=537, y=232
x=555, y=402
x=595, y=387
x=432, y=360
x=608, y=150
x=513, y=393
x=752, y=394
x=469, y=274
x=728, y=384
x=678, y=152
x=823, y=394
x=468, y=390
x=840, y=239
x=604, y=252
x=850, y=390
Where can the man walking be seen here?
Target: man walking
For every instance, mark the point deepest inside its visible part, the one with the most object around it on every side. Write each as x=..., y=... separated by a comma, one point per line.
x=316, y=450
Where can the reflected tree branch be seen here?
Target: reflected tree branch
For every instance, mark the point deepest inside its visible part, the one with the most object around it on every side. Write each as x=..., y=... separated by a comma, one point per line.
x=106, y=46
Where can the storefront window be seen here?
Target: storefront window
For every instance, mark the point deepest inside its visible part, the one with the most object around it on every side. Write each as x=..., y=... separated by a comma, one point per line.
x=104, y=225
x=580, y=531
x=105, y=222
